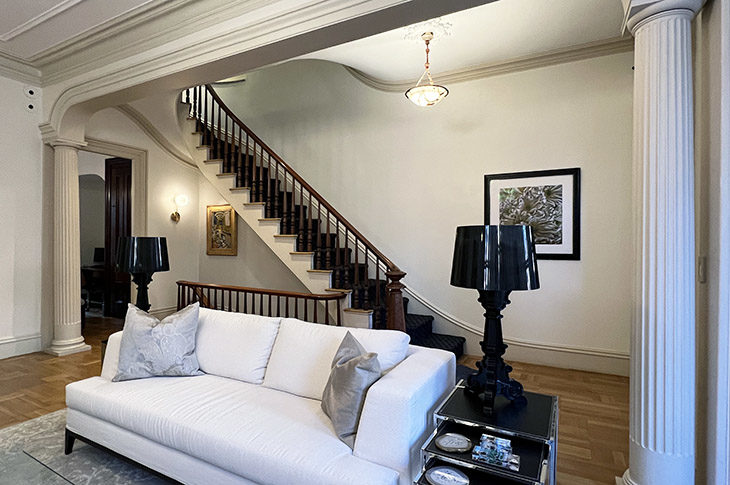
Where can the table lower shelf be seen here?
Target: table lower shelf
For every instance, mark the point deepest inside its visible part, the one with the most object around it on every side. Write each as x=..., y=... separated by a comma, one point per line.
x=476, y=477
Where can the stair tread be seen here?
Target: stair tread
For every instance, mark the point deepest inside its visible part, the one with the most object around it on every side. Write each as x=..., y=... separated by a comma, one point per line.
x=452, y=343
x=358, y=310
x=254, y=203
x=339, y=290
x=237, y=189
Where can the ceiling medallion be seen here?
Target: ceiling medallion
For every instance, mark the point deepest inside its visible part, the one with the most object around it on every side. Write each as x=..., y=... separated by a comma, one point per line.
x=425, y=93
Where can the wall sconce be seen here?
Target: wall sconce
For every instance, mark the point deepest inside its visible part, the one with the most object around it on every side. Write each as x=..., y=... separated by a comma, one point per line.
x=181, y=200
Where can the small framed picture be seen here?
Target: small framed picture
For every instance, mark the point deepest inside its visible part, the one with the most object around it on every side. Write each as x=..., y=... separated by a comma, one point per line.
x=546, y=200
x=222, y=235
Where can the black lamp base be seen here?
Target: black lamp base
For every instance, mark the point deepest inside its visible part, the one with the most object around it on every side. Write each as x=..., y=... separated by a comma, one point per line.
x=492, y=378
x=142, y=280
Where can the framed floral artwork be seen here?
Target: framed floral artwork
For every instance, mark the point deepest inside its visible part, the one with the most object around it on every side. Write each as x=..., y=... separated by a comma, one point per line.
x=546, y=200
x=222, y=235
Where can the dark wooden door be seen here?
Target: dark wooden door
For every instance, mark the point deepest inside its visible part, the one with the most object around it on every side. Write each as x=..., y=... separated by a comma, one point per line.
x=118, y=223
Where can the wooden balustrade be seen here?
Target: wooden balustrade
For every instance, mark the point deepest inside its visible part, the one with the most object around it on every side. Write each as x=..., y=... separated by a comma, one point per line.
x=356, y=263
x=326, y=309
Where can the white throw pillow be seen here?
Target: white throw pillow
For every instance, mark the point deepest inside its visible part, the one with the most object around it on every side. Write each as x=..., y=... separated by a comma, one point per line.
x=235, y=345
x=302, y=357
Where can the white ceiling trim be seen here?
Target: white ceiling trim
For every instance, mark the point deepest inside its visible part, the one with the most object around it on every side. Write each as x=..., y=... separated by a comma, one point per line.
x=39, y=19
x=19, y=70
x=559, y=56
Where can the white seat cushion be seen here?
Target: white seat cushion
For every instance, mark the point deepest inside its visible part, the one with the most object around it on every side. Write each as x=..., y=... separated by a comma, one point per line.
x=261, y=434
x=301, y=360
x=235, y=345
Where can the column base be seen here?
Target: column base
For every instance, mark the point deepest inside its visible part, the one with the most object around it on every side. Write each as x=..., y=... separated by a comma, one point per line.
x=67, y=347
x=625, y=479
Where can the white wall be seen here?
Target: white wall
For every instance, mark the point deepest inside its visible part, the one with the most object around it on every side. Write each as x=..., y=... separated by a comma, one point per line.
x=21, y=213
x=166, y=177
x=407, y=176
x=255, y=266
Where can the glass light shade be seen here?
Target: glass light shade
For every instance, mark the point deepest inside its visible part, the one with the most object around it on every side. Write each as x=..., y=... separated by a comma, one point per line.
x=181, y=200
x=426, y=94
x=142, y=255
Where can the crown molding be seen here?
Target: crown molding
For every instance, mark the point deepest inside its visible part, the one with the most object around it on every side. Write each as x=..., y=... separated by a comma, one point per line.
x=558, y=56
x=39, y=19
x=15, y=68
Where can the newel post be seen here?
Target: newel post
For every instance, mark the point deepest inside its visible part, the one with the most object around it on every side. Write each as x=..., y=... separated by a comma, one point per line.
x=394, y=289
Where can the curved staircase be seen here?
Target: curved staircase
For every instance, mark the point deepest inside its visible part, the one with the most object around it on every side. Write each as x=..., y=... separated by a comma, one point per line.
x=317, y=243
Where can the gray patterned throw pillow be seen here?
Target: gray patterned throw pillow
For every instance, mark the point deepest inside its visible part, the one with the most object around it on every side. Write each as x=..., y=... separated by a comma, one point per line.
x=353, y=372
x=151, y=347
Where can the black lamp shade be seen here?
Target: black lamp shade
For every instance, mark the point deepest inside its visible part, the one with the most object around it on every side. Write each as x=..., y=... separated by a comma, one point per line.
x=497, y=258
x=142, y=255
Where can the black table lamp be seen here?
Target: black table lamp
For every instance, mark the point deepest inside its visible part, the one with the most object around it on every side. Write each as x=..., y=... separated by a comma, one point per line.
x=494, y=260
x=142, y=256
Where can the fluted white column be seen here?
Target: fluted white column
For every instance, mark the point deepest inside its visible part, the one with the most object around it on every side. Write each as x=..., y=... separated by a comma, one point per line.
x=67, y=338
x=662, y=409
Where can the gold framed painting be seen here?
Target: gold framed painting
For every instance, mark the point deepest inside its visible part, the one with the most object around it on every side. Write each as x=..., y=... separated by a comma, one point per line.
x=222, y=235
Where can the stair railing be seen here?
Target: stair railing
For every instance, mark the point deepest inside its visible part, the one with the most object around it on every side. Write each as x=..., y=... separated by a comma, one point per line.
x=326, y=309
x=231, y=140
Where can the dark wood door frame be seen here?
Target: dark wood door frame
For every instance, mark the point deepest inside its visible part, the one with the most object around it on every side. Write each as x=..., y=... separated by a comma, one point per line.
x=118, y=223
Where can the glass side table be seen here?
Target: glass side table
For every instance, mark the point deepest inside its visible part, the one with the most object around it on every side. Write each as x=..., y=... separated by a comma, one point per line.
x=532, y=428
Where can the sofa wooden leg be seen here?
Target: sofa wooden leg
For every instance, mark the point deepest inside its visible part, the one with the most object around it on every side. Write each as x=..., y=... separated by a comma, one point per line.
x=69, y=442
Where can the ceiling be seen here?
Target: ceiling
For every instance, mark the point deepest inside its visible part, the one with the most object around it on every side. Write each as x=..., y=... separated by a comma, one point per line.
x=493, y=33
x=30, y=27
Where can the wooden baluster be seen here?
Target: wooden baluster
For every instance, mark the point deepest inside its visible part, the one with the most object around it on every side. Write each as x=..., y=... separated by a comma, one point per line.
x=239, y=162
x=346, y=270
x=377, y=283
x=206, y=119
x=292, y=227
x=316, y=304
x=261, y=304
x=270, y=189
x=356, y=284
x=396, y=319
x=278, y=305
x=269, y=304
x=260, y=198
x=230, y=305
x=311, y=241
x=366, y=275
x=287, y=307
x=245, y=302
x=238, y=301
x=300, y=239
x=226, y=150
x=282, y=213
x=338, y=268
x=326, y=256
x=219, y=148
x=296, y=307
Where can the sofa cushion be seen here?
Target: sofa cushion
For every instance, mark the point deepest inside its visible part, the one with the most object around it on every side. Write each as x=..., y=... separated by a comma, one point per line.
x=302, y=357
x=151, y=347
x=353, y=372
x=235, y=345
x=261, y=434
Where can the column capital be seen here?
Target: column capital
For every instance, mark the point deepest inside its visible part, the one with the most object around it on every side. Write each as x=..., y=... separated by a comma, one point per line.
x=51, y=137
x=637, y=11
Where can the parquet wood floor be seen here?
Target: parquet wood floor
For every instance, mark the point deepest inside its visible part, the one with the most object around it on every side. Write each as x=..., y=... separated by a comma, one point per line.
x=32, y=385
x=594, y=418
x=593, y=427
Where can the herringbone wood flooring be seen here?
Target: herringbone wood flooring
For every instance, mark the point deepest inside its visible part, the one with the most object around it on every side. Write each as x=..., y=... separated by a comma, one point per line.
x=34, y=384
x=593, y=427
x=594, y=419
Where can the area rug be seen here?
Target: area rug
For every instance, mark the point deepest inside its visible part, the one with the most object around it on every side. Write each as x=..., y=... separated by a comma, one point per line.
x=33, y=450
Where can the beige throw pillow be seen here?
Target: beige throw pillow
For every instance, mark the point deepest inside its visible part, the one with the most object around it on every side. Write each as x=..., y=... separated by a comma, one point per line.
x=353, y=372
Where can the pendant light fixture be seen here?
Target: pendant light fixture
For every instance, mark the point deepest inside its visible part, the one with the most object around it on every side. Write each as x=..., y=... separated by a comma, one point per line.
x=425, y=93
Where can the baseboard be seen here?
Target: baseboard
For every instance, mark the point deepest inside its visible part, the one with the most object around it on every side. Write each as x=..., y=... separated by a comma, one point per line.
x=160, y=313
x=605, y=361
x=12, y=346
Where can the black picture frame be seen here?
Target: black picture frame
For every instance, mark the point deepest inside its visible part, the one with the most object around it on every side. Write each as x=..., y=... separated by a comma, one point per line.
x=572, y=250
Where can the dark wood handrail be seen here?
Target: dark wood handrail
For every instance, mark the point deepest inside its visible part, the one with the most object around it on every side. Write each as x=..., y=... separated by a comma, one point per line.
x=320, y=200
x=334, y=295
x=318, y=308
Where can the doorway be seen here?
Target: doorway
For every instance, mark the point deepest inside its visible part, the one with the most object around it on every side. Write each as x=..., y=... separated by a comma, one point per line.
x=105, y=204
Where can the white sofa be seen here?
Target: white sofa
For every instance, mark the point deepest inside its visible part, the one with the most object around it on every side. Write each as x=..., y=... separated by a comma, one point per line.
x=255, y=416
